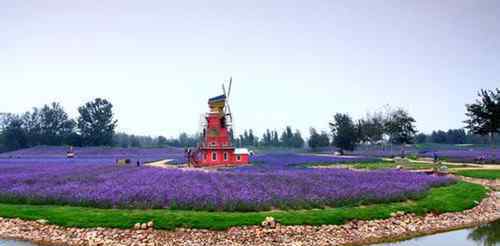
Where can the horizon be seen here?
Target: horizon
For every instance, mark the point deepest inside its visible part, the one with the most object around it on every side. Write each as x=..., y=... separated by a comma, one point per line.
x=292, y=64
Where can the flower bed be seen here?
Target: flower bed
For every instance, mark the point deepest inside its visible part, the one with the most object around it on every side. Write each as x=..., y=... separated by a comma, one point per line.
x=484, y=155
x=285, y=161
x=108, y=186
x=90, y=155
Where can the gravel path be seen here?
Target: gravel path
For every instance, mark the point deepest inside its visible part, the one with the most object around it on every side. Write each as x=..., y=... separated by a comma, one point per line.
x=353, y=233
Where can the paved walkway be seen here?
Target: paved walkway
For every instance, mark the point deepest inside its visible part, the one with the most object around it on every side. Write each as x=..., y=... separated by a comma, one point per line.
x=494, y=185
x=471, y=165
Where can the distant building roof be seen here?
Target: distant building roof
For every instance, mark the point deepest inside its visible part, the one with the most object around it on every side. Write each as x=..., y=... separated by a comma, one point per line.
x=217, y=99
x=241, y=151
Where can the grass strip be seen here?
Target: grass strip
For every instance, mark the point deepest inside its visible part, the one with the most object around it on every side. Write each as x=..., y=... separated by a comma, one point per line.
x=453, y=198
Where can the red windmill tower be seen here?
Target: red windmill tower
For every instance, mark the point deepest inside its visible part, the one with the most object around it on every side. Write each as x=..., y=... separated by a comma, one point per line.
x=216, y=148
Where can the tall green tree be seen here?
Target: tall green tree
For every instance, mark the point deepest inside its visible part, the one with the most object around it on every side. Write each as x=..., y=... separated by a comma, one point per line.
x=161, y=141
x=185, y=140
x=33, y=127
x=484, y=114
x=344, y=132
x=438, y=136
x=275, y=139
x=55, y=125
x=420, y=138
x=317, y=140
x=14, y=133
x=266, y=139
x=297, y=140
x=252, y=139
x=371, y=128
x=96, y=122
x=456, y=136
x=3, y=123
x=286, y=138
x=135, y=141
x=400, y=127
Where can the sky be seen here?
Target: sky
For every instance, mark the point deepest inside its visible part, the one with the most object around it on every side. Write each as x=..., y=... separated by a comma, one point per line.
x=293, y=62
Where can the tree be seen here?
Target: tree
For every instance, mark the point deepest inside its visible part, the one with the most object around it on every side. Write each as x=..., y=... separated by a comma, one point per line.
x=317, y=140
x=420, y=138
x=275, y=139
x=455, y=136
x=266, y=138
x=486, y=235
x=55, y=125
x=3, y=124
x=343, y=132
x=371, y=129
x=74, y=139
x=121, y=140
x=438, y=137
x=95, y=123
x=161, y=141
x=399, y=125
x=13, y=132
x=484, y=114
x=33, y=127
x=252, y=139
x=134, y=141
x=287, y=137
x=187, y=141
x=297, y=140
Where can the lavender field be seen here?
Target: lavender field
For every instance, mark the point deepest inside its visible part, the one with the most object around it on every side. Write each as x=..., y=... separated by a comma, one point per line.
x=284, y=161
x=90, y=155
x=273, y=182
x=452, y=153
x=484, y=155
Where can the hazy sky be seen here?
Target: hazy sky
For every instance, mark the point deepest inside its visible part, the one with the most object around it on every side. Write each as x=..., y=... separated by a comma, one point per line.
x=293, y=62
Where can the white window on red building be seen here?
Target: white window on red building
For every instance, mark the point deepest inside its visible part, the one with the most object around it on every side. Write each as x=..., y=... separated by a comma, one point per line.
x=214, y=156
x=225, y=156
x=238, y=157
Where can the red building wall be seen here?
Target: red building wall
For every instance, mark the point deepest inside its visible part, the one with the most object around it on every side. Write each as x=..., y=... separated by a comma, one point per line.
x=215, y=132
x=232, y=159
x=216, y=139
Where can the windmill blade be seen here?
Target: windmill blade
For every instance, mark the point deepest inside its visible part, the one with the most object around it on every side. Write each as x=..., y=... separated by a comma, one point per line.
x=230, y=85
x=227, y=99
x=229, y=116
x=229, y=111
x=224, y=90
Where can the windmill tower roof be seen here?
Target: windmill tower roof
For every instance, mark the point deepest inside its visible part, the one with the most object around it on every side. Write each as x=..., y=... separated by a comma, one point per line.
x=220, y=98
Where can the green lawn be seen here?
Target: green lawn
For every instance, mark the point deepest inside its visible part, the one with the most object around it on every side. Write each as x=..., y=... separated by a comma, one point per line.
x=408, y=165
x=452, y=198
x=482, y=174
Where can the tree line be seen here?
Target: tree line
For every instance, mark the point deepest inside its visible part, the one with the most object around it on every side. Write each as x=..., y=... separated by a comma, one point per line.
x=270, y=138
x=483, y=122
x=130, y=141
x=95, y=126
x=395, y=126
x=452, y=136
x=51, y=125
